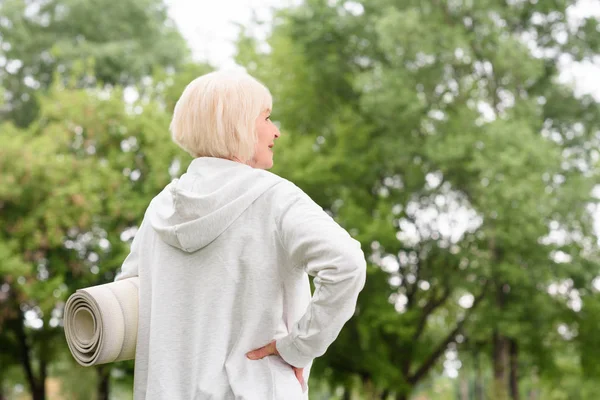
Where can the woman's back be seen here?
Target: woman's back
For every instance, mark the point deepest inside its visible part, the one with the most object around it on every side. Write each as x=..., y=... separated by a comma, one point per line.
x=223, y=256
x=208, y=298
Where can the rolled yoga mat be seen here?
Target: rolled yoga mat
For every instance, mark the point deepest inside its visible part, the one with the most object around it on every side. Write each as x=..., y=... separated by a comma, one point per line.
x=101, y=322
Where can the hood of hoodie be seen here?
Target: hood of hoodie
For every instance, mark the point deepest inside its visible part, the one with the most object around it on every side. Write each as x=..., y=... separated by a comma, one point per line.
x=197, y=208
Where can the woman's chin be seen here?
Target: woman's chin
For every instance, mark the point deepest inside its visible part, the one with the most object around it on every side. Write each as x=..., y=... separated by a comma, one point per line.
x=268, y=164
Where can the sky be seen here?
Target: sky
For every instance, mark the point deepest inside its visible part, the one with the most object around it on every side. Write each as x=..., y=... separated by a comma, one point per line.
x=210, y=26
x=210, y=29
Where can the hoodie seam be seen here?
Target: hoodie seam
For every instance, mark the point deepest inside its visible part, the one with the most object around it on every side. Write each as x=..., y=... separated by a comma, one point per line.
x=174, y=192
x=180, y=245
x=183, y=235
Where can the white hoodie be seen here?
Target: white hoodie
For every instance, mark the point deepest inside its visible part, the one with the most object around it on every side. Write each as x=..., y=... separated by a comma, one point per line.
x=223, y=255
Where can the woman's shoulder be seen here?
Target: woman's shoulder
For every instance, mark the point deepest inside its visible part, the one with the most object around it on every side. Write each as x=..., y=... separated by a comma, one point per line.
x=283, y=187
x=285, y=194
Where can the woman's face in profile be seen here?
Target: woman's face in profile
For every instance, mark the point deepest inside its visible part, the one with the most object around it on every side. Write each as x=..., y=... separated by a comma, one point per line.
x=267, y=132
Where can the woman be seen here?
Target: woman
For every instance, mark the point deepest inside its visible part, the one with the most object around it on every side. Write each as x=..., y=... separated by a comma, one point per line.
x=223, y=256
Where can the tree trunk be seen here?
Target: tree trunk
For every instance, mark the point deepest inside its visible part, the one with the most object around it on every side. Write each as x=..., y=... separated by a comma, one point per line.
x=533, y=393
x=39, y=392
x=514, y=372
x=479, y=384
x=368, y=389
x=500, y=361
x=37, y=385
x=402, y=396
x=499, y=341
x=2, y=380
x=385, y=394
x=103, y=387
x=464, y=388
x=347, y=394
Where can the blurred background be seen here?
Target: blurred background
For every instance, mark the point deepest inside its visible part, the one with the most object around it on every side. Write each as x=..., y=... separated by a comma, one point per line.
x=458, y=140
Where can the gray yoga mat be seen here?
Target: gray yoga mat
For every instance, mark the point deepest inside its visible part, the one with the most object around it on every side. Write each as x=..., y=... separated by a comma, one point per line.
x=101, y=322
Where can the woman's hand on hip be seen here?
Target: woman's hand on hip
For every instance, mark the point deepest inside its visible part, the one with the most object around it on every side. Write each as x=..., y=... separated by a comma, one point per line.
x=271, y=350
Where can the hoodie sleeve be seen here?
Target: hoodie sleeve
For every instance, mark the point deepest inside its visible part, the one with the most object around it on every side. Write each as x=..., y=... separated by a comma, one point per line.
x=316, y=243
x=130, y=267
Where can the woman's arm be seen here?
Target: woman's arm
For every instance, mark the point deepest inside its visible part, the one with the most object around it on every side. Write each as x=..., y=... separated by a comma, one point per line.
x=130, y=267
x=321, y=247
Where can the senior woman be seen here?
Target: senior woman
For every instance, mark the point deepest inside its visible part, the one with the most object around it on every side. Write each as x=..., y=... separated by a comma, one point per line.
x=223, y=255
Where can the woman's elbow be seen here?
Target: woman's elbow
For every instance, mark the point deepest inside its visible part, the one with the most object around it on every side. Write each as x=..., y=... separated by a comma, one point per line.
x=357, y=266
x=361, y=270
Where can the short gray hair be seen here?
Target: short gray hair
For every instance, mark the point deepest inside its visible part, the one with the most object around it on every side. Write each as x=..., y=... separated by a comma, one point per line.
x=216, y=115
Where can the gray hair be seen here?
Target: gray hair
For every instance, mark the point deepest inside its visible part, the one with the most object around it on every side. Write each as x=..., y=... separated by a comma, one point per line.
x=216, y=115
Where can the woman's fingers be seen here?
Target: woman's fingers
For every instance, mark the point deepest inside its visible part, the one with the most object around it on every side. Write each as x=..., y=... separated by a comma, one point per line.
x=267, y=350
x=271, y=350
x=300, y=376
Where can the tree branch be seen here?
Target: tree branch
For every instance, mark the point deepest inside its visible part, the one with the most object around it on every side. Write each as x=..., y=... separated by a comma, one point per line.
x=429, y=308
x=411, y=289
x=433, y=357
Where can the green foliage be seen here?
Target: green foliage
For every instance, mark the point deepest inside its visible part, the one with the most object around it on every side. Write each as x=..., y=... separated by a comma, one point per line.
x=78, y=165
x=431, y=131
x=72, y=184
x=126, y=40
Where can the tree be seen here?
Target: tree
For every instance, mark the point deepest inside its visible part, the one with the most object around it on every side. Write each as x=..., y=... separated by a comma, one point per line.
x=445, y=144
x=39, y=184
x=75, y=187
x=126, y=40
x=76, y=44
